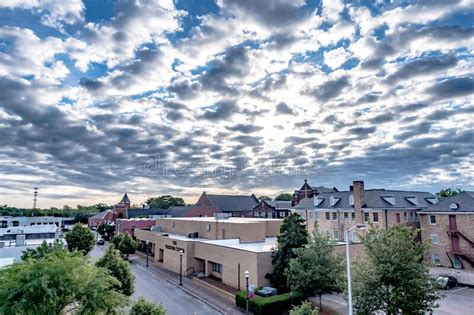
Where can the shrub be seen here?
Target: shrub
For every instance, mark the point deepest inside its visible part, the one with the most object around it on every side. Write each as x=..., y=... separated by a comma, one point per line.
x=304, y=308
x=271, y=305
x=142, y=307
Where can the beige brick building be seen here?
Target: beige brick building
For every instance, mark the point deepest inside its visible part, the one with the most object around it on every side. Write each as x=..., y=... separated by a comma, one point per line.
x=334, y=211
x=222, y=248
x=449, y=226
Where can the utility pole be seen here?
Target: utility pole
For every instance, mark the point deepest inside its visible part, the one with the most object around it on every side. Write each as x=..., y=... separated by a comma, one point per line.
x=35, y=198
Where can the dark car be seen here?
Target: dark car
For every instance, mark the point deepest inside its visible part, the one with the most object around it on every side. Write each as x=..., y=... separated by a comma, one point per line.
x=447, y=282
x=100, y=242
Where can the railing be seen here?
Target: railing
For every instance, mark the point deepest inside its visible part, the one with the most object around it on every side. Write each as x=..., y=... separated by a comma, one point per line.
x=461, y=251
x=454, y=230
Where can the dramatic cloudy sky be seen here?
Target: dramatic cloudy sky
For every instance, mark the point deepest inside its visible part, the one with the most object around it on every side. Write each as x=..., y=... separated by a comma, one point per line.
x=155, y=97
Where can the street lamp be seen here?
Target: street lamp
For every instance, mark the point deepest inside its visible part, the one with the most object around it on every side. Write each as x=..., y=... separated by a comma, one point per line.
x=147, y=248
x=247, y=275
x=348, y=259
x=181, y=251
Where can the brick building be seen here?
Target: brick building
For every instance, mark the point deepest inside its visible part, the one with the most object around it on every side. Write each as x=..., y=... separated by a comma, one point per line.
x=449, y=225
x=232, y=205
x=118, y=211
x=271, y=209
x=335, y=211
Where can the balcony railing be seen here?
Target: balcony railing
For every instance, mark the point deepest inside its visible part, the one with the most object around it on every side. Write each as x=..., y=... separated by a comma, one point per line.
x=461, y=251
x=451, y=229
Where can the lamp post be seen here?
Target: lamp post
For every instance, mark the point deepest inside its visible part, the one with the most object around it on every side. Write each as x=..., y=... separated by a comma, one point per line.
x=348, y=259
x=181, y=266
x=247, y=275
x=147, y=248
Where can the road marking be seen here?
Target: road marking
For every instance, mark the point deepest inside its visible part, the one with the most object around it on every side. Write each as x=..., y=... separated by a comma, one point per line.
x=457, y=290
x=335, y=301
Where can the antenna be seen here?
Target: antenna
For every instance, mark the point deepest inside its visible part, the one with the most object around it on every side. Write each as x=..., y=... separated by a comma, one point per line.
x=35, y=198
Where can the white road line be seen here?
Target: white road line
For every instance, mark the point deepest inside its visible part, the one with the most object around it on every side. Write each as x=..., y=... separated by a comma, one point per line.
x=457, y=290
x=335, y=301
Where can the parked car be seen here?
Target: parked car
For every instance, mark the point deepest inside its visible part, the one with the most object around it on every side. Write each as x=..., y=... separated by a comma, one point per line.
x=100, y=242
x=447, y=282
x=267, y=291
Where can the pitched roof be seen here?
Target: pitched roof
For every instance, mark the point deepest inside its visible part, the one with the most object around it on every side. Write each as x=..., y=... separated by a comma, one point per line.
x=373, y=198
x=140, y=212
x=464, y=202
x=178, y=211
x=125, y=199
x=233, y=203
x=100, y=215
x=278, y=204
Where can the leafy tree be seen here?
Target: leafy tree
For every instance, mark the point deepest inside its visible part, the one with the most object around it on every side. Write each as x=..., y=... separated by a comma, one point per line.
x=264, y=198
x=292, y=235
x=315, y=269
x=116, y=239
x=80, y=238
x=284, y=197
x=106, y=230
x=304, y=309
x=41, y=251
x=143, y=307
x=118, y=268
x=448, y=192
x=57, y=283
x=392, y=276
x=127, y=245
x=164, y=202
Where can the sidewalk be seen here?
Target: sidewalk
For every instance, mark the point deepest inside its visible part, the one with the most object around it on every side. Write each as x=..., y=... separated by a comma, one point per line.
x=202, y=294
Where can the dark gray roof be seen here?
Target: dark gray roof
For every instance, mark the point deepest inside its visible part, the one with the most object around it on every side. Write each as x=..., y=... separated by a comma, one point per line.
x=178, y=211
x=233, y=203
x=99, y=215
x=140, y=212
x=279, y=204
x=125, y=199
x=464, y=202
x=373, y=198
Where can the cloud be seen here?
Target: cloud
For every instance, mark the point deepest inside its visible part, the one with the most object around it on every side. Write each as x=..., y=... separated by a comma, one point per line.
x=453, y=87
x=283, y=109
x=221, y=110
x=330, y=89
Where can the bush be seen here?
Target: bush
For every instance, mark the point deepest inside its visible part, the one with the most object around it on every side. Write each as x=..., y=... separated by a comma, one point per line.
x=271, y=305
x=142, y=307
x=304, y=309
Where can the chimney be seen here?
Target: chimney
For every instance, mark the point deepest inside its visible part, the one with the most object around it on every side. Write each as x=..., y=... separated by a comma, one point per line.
x=351, y=188
x=358, y=189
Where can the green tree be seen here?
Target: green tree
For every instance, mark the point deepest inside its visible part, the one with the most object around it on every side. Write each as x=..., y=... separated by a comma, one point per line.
x=127, y=245
x=292, y=235
x=42, y=250
x=80, y=238
x=164, y=202
x=304, y=308
x=56, y=283
x=143, y=307
x=448, y=192
x=392, y=276
x=316, y=268
x=284, y=197
x=266, y=198
x=106, y=230
x=118, y=268
x=116, y=239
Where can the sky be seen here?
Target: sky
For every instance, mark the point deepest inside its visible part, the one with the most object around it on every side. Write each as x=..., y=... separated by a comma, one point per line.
x=155, y=97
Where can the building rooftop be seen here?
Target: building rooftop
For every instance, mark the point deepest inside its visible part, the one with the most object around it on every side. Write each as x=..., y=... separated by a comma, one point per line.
x=267, y=245
x=463, y=202
x=226, y=220
x=233, y=203
x=29, y=229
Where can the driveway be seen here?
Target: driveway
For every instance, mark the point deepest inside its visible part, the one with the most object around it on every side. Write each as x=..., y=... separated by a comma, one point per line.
x=156, y=289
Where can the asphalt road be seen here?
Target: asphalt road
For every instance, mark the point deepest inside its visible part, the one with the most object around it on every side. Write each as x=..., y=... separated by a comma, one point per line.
x=156, y=289
x=459, y=300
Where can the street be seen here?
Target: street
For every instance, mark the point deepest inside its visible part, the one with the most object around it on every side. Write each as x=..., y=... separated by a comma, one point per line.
x=156, y=289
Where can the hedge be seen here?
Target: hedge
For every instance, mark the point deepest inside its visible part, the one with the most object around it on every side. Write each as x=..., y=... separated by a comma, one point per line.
x=271, y=305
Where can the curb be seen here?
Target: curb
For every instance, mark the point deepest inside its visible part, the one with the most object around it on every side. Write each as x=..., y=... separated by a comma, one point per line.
x=178, y=286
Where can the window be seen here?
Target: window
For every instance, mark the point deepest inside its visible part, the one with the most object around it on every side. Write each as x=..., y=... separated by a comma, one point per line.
x=208, y=227
x=351, y=200
x=353, y=216
x=375, y=216
x=336, y=234
x=334, y=216
x=436, y=259
x=16, y=223
x=366, y=217
x=457, y=263
x=346, y=216
x=405, y=216
x=432, y=219
x=434, y=239
x=173, y=224
x=328, y=216
x=216, y=267
x=355, y=238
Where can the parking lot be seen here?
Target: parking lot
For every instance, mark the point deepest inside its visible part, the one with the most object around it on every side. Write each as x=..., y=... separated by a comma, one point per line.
x=458, y=300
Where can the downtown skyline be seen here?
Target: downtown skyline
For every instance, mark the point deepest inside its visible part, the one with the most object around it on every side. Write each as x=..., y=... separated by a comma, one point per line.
x=98, y=98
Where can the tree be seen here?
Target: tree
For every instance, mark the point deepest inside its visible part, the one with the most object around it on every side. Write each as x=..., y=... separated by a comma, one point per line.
x=392, y=276
x=164, y=202
x=106, y=230
x=127, y=245
x=292, y=235
x=448, y=192
x=118, y=268
x=116, y=239
x=304, y=309
x=80, y=238
x=143, y=307
x=315, y=269
x=42, y=250
x=57, y=283
x=284, y=197
x=266, y=198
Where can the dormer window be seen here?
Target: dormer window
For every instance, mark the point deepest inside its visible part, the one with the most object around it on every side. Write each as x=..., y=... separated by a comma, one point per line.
x=432, y=200
x=351, y=200
x=333, y=200
x=389, y=199
x=318, y=201
x=413, y=200
x=453, y=206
